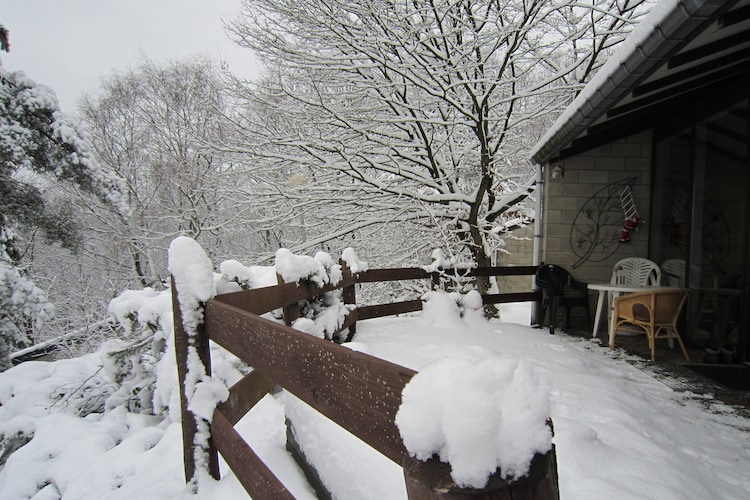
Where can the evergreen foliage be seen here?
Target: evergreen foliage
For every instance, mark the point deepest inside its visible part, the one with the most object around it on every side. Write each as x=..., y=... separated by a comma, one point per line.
x=39, y=145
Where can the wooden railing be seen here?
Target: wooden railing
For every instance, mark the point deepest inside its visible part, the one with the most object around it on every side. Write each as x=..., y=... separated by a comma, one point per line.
x=361, y=393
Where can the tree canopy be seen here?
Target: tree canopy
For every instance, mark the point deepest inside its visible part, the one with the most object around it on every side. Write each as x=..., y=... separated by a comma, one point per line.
x=414, y=115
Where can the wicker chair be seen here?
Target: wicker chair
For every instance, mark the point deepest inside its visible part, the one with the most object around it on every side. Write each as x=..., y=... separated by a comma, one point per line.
x=560, y=289
x=654, y=313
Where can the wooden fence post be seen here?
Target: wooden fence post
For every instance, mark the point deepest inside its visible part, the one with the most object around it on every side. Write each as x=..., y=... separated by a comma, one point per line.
x=182, y=344
x=349, y=294
x=437, y=283
x=291, y=312
x=431, y=480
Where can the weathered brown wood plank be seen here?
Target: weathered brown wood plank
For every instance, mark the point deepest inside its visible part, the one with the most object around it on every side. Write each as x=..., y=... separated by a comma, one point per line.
x=380, y=310
x=395, y=274
x=258, y=300
x=412, y=273
x=251, y=472
x=504, y=271
x=359, y=392
x=265, y=299
x=505, y=298
x=244, y=395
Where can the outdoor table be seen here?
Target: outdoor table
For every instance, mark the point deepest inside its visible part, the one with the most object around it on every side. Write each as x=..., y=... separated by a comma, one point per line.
x=615, y=290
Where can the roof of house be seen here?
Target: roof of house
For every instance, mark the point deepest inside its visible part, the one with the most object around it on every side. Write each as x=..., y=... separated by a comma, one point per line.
x=683, y=51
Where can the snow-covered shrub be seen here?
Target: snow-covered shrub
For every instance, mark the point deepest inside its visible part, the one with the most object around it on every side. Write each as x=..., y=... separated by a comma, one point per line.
x=460, y=282
x=324, y=314
x=444, y=308
x=36, y=389
x=236, y=276
x=146, y=317
x=142, y=366
x=23, y=306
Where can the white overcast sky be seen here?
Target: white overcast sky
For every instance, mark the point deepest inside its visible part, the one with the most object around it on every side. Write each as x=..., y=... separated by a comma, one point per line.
x=70, y=45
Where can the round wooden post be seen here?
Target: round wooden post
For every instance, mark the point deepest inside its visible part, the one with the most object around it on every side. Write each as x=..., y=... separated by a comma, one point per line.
x=431, y=480
x=291, y=312
x=182, y=344
x=349, y=294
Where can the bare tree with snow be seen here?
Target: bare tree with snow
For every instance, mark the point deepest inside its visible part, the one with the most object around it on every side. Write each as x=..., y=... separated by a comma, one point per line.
x=413, y=115
x=154, y=126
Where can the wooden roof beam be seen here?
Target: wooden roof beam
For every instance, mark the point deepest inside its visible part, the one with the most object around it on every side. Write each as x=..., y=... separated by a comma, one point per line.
x=709, y=49
x=735, y=16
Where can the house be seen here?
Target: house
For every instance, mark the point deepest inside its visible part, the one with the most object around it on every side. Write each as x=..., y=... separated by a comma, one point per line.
x=660, y=137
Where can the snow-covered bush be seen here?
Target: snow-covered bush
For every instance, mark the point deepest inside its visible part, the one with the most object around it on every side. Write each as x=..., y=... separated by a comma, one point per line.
x=141, y=364
x=39, y=145
x=23, y=305
x=146, y=317
x=323, y=315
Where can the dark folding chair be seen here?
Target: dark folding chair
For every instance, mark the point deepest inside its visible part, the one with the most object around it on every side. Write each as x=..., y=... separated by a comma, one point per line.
x=560, y=289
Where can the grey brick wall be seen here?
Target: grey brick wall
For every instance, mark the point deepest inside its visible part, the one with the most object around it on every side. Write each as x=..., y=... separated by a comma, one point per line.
x=587, y=177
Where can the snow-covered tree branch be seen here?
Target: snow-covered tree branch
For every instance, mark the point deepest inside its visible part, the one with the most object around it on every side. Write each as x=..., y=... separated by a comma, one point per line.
x=418, y=112
x=39, y=147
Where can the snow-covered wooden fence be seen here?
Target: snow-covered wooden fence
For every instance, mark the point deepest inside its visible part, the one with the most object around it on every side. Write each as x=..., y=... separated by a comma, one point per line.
x=361, y=393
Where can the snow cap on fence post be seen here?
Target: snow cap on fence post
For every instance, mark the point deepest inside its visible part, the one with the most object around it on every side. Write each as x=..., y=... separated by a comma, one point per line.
x=482, y=416
x=192, y=272
x=352, y=261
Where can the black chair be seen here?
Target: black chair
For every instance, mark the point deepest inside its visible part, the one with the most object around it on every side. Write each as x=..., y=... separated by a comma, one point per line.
x=560, y=289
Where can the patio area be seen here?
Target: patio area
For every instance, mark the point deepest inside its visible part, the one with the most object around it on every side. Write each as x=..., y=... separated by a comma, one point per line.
x=672, y=369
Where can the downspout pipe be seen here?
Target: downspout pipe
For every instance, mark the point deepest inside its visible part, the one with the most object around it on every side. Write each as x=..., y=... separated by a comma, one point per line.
x=537, y=248
x=538, y=207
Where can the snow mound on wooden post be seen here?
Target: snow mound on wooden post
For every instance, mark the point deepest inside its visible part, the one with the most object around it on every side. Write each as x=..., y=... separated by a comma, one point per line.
x=193, y=276
x=479, y=415
x=352, y=261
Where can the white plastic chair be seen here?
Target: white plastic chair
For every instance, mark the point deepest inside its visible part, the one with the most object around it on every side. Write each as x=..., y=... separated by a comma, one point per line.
x=674, y=272
x=636, y=271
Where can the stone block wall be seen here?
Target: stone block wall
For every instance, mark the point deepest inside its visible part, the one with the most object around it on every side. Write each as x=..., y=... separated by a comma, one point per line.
x=582, y=213
x=519, y=251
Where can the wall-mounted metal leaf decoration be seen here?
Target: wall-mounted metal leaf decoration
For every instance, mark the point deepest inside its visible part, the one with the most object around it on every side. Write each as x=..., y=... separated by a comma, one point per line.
x=595, y=232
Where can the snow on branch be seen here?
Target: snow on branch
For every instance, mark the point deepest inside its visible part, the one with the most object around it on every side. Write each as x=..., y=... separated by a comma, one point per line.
x=38, y=136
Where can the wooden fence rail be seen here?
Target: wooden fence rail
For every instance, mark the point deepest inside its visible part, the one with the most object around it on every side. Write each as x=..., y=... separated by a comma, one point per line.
x=361, y=393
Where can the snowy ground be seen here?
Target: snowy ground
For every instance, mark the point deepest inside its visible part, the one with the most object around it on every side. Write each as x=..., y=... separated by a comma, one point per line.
x=619, y=432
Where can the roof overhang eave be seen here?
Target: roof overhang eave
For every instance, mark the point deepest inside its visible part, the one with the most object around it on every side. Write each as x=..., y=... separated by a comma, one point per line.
x=661, y=34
